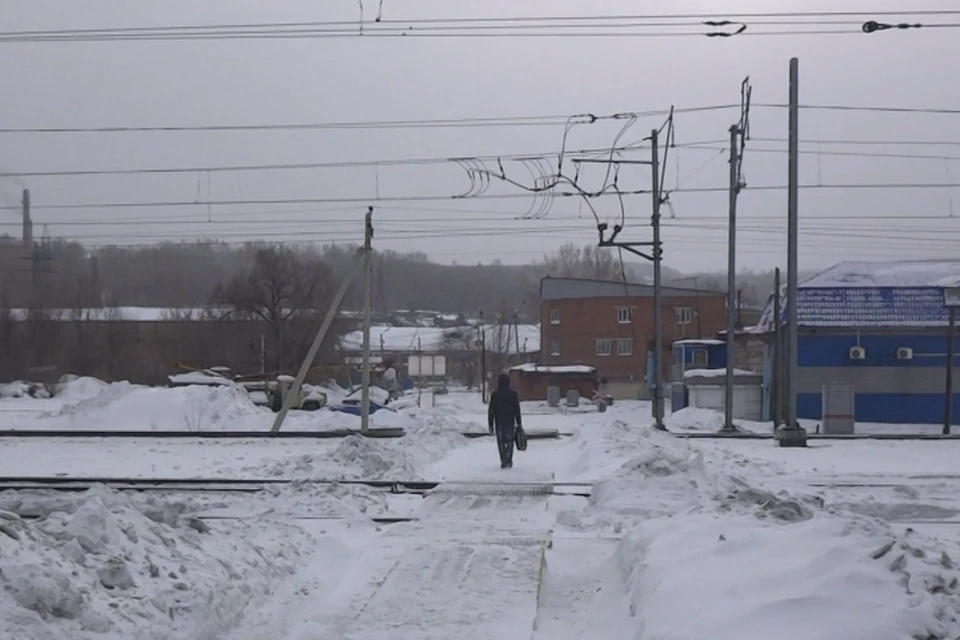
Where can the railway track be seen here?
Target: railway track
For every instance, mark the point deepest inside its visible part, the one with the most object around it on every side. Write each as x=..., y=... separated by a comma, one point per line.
x=128, y=434
x=256, y=485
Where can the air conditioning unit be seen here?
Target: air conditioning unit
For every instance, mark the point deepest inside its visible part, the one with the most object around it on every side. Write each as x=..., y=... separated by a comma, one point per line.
x=858, y=353
x=904, y=353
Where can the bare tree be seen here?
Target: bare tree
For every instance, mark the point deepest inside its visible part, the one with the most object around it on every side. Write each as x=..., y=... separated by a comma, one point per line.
x=285, y=291
x=571, y=261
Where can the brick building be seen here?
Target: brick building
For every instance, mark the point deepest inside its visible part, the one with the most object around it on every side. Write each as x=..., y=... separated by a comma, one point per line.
x=609, y=325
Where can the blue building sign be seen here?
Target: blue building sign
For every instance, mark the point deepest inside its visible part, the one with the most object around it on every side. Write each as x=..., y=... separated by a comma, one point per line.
x=871, y=307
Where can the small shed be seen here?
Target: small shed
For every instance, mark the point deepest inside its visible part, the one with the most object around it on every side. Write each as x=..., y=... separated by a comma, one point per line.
x=531, y=381
x=697, y=354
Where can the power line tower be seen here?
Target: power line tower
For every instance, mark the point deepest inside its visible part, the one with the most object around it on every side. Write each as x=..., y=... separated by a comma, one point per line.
x=655, y=256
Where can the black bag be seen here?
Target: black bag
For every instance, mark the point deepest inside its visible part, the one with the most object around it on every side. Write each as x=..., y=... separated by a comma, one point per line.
x=520, y=438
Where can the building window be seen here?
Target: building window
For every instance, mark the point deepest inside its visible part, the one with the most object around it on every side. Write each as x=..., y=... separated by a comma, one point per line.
x=684, y=315
x=554, y=347
x=624, y=347
x=699, y=358
x=624, y=315
x=604, y=348
x=554, y=316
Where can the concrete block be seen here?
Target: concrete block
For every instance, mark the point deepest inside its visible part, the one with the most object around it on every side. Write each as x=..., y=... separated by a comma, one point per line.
x=791, y=436
x=553, y=396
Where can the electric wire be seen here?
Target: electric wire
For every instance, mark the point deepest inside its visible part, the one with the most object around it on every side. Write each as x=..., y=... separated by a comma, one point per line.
x=501, y=27
x=433, y=198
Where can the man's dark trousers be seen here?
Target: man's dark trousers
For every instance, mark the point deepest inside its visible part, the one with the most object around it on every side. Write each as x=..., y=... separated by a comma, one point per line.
x=505, y=443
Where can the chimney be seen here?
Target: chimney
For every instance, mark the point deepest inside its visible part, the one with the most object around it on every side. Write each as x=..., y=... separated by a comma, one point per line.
x=27, y=223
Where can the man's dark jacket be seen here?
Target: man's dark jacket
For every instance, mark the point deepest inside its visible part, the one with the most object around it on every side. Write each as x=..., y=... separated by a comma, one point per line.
x=504, y=409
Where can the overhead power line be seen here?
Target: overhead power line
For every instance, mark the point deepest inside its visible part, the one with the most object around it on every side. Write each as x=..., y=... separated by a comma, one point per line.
x=815, y=242
x=472, y=122
x=495, y=121
x=433, y=198
x=500, y=27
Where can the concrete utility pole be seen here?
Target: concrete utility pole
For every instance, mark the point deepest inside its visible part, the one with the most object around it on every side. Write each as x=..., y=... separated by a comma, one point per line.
x=792, y=434
x=656, y=257
x=294, y=393
x=367, y=287
x=483, y=359
x=777, y=391
x=657, y=285
x=728, y=425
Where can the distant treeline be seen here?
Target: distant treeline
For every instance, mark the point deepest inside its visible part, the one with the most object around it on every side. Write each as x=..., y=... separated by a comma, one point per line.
x=69, y=275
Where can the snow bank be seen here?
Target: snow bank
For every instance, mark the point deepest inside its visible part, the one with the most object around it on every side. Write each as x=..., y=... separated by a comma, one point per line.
x=97, y=564
x=430, y=434
x=708, y=552
x=123, y=405
x=79, y=387
x=813, y=579
x=694, y=419
x=21, y=389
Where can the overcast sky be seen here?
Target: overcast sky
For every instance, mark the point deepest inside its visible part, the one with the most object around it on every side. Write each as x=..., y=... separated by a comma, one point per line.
x=350, y=79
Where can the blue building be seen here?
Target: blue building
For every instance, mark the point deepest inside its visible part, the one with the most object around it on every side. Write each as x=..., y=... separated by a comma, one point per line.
x=881, y=326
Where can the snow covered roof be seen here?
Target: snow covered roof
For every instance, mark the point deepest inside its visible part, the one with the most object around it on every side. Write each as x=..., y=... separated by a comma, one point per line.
x=896, y=294
x=499, y=339
x=715, y=373
x=699, y=342
x=579, y=288
x=892, y=274
x=563, y=368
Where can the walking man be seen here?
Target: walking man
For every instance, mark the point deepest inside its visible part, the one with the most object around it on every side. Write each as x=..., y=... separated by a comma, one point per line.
x=503, y=414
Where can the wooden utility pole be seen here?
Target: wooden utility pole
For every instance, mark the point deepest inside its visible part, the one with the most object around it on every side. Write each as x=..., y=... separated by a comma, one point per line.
x=367, y=286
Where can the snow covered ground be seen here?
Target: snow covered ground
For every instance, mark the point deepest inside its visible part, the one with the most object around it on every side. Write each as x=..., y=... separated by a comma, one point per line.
x=87, y=404
x=694, y=419
x=679, y=539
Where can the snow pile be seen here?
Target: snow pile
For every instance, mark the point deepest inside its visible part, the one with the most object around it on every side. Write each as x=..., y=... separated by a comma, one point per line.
x=430, y=434
x=21, y=389
x=73, y=387
x=403, y=458
x=124, y=406
x=694, y=419
x=756, y=562
x=736, y=577
x=101, y=565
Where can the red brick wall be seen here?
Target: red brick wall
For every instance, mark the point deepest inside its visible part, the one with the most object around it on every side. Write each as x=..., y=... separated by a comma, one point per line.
x=533, y=386
x=584, y=321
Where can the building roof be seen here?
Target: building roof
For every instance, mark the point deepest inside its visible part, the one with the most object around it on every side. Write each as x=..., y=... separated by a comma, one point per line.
x=559, y=369
x=498, y=338
x=579, y=288
x=855, y=294
x=890, y=274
